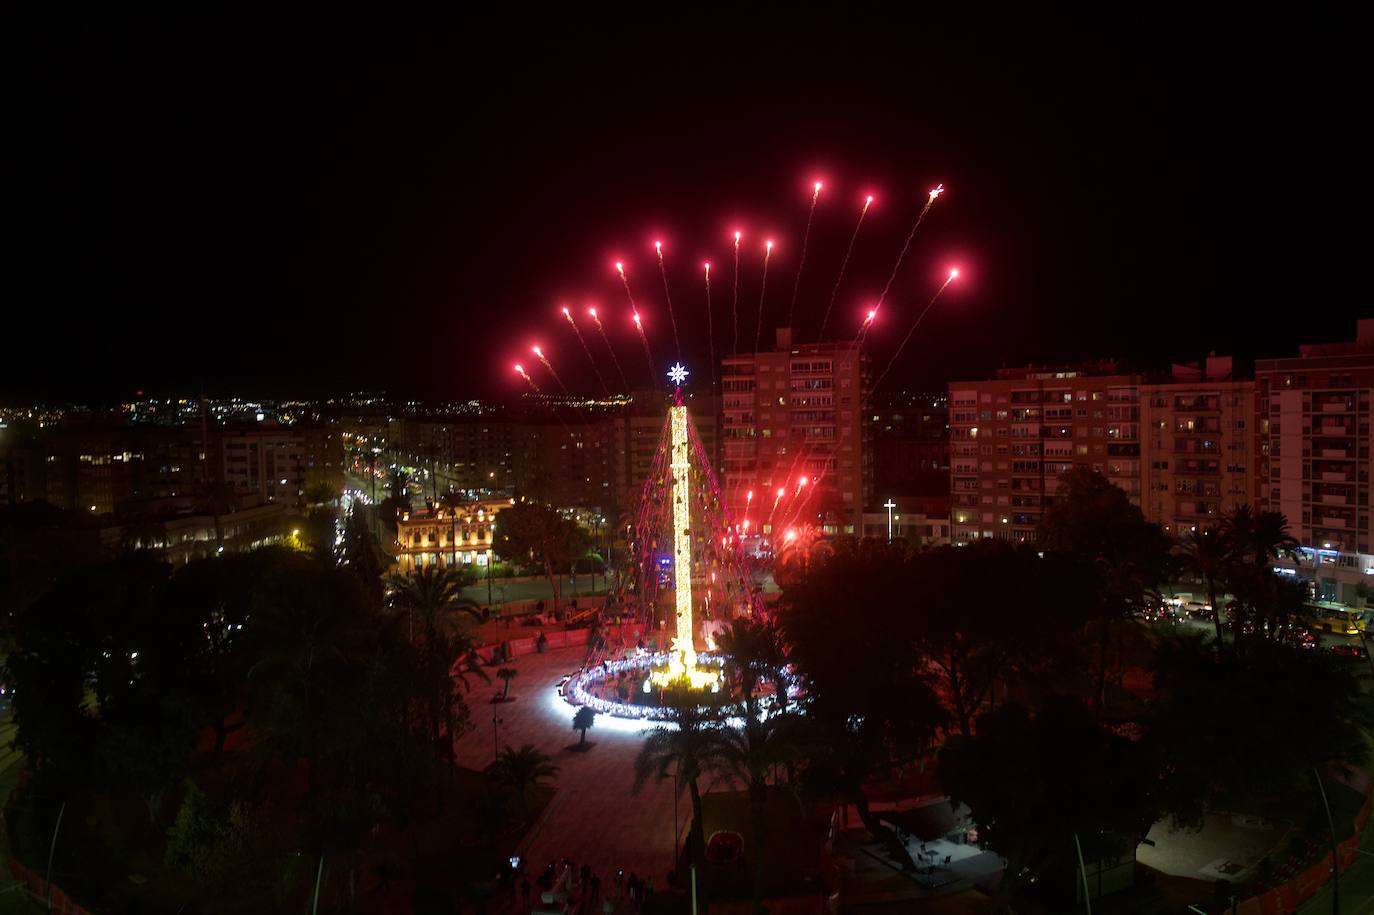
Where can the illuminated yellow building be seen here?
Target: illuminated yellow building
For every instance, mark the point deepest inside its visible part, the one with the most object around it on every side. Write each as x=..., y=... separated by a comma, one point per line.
x=458, y=537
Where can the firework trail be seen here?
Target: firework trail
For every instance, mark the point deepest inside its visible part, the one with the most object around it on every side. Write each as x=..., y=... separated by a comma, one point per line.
x=863, y=328
x=639, y=325
x=930, y=201
x=806, y=236
x=843, y=264
x=710, y=328
x=610, y=349
x=953, y=275
x=539, y=354
x=782, y=491
x=763, y=291
x=734, y=301
x=520, y=370
x=648, y=353
x=601, y=381
x=658, y=248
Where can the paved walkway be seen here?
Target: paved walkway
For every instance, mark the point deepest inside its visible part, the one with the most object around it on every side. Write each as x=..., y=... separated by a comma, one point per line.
x=1227, y=847
x=594, y=818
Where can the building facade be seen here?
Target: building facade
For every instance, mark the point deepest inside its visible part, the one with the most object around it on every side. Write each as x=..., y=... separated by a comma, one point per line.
x=793, y=435
x=1012, y=437
x=1199, y=447
x=263, y=462
x=1314, y=457
x=459, y=537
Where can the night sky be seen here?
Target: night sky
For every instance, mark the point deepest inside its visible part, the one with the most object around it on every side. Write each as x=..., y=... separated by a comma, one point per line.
x=318, y=206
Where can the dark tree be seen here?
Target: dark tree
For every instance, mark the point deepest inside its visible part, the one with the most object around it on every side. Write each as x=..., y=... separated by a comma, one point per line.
x=1035, y=782
x=1242, y=728
x=852, y=631
x=536, y=533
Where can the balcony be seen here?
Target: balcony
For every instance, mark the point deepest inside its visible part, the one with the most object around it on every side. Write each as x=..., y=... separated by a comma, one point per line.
x=1334, y=454
x=1343, y=406
x=1335, y=498
x=1339, y=476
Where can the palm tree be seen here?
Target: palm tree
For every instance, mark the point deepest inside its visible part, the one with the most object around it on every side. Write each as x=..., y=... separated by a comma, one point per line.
x=696, y=747
x=398, y=487
x=1209, y=555
x=434, y=594
x=1261, y=538
x=752, y=751
x=801, y=546
x=505, y=675
x=519, y=770
x=452, y=501
x=754, y=653
x=582, y=720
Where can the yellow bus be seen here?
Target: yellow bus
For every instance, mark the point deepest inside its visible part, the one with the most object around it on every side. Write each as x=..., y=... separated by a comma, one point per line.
x=1337, y=619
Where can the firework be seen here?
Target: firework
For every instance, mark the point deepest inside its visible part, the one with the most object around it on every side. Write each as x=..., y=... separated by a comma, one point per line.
x=648, y=353
x=801, y=262
x=658, y=249
x=539, y=354
x=710, y=328
x=953, y=275
x=610, y=349
x=935, y=192
x=869, y=318
x=734, y=300
x=868, y=201
x=520, y=370
x=763, y=292
x=586, y=349
x=634, y=313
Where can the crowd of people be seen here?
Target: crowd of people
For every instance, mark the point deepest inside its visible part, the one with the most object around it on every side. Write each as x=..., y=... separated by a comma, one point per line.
x=564, y=887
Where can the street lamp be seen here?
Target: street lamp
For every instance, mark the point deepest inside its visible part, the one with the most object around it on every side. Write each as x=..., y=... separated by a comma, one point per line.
x=889, y=505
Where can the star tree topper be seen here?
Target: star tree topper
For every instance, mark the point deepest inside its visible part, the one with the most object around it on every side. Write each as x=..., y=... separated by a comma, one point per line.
x=677, y=374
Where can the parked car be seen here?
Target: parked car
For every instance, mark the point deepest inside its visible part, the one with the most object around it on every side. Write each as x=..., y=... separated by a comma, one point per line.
x=1346, y=650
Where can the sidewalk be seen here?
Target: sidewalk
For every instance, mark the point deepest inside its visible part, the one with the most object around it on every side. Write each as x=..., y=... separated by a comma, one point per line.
x=1357, y=885
x=13, y=901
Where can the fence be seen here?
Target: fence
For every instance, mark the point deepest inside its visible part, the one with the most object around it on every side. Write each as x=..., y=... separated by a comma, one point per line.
x=38, y=889
x=1282, y=900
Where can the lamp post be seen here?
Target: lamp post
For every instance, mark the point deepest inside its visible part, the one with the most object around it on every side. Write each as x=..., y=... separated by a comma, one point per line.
x=889, y=505
x=491, y=557
x=495, y=736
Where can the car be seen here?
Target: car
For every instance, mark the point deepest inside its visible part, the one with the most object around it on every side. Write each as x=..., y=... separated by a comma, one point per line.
x=1346, y=650
x=1197, y=609
x=1299, y=637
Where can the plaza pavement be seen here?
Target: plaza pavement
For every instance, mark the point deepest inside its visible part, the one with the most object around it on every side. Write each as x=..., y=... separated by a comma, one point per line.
x=594, y=818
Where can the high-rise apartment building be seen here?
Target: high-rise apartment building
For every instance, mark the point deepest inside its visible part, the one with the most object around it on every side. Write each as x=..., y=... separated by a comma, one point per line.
x=1199, y=445
x=1314, y=456
x=1011, y=438
x=791, y=414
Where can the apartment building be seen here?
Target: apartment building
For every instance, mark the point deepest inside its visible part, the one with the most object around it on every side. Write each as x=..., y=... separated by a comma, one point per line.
x=1314, y=457
x=263, y=462
x=791, y=414
x=1011, y=438
x=1199, y=448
